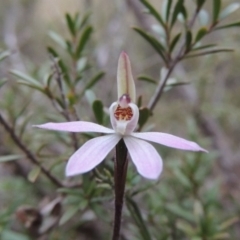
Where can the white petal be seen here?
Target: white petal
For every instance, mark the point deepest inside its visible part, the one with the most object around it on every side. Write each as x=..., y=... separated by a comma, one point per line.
x=113, y=120
x=91, y=154
x=78, y=126
x=132, y=124
x=125, y=80
x=121, y=126
x=169, y=140
x=145, y=157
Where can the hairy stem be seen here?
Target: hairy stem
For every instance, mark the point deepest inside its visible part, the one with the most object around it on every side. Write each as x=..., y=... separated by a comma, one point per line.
x=120, y=174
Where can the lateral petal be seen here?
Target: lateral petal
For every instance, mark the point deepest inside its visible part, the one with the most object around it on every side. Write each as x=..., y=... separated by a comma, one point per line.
x=169, y=140
x=132, y=124
x=91, y=154
x=145, y=157
x=77, y=126
x=113, y=120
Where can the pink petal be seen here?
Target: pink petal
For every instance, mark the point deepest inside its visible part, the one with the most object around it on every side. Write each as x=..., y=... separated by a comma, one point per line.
x=91, y=154
x=78, y=126
x=132, y=124
x=169, y=140
x=145, y=157
x=113, y=120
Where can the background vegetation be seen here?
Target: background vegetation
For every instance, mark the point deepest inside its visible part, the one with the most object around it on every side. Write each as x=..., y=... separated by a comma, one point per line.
x=58, y=60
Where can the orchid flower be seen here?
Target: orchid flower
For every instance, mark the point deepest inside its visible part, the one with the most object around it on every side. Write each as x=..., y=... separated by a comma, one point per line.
x=124, y=115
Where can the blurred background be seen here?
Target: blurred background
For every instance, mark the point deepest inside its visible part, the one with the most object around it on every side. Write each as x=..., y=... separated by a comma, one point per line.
x=206, y=110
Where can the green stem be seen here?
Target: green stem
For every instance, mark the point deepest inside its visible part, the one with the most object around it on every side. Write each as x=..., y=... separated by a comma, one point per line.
x=120, y=174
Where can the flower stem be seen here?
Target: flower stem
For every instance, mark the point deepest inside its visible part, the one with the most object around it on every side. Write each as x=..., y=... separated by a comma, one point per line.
x=120, y=173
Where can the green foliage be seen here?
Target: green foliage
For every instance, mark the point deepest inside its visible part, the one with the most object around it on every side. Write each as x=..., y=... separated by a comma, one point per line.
x=153, y=41
x=153, y=11
x=92, y=82
x=216, y=10
x=66, y=97
x=144, y=114
x=2, y=82
x=200, y=34
x=83, y=40
x=179, y=8
x=174, y=42
x=98, y=111
x=200, y=3
x=11, y=235
x=235, y=24
x=10, y=158
x=137, y=217
x=3, y=55
x=147, y=79
x=166, y=9
x=183, y=204
x=189, y=45
x=188, y=40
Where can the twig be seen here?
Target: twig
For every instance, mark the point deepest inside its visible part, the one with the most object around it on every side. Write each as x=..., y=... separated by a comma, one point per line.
x=32, y=157
x=28, y=153
x=59, y=82
x=172, y=62
x=207, y=125
x=179, y=56
x=65, y=112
